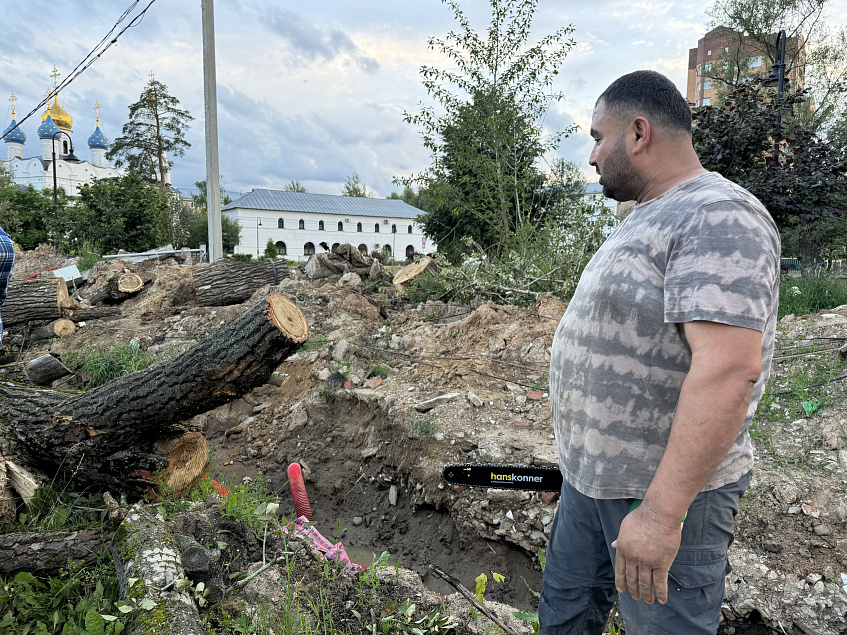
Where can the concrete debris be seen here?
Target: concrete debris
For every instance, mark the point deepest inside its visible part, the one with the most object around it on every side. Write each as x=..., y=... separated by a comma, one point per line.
x=429, y=404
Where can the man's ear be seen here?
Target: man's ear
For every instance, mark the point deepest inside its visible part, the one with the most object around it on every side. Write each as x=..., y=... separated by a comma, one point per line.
x=643, y=134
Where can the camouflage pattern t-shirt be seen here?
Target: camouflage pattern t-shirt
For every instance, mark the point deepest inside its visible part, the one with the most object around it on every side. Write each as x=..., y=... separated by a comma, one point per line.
x=704, y=250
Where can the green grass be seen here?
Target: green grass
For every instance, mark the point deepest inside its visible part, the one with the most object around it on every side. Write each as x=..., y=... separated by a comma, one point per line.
x=103, y=365
x=811, y=294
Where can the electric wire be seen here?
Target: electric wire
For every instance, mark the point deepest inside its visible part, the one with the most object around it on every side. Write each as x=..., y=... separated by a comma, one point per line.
x=92, y=56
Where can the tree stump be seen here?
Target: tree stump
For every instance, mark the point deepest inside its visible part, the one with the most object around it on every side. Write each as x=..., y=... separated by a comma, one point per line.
x=144, y=548
x=58, y=328
x=403, y=277
x=44, y=370
x=106, y=436
x=227, y=281
x=37, y=299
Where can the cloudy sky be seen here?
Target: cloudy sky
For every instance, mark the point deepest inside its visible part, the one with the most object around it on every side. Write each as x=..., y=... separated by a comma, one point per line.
x=313, y=91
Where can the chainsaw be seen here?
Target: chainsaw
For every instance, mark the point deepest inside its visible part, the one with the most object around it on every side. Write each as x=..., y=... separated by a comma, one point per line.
x=508, y=477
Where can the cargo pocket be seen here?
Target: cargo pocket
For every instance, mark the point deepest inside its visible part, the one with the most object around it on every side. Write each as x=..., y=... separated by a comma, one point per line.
x=700, y=567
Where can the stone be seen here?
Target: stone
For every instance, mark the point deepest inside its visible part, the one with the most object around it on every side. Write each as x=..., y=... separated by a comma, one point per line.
x=340, y=350
x=475, y=401
x=521, y=424
x=350, y=280
x=842, y=458
x=392, y=495
x=822, y=530
x=535, y=395
x=549, y=497
x=429, y=404
x=336, y=380
x=234, y=430
x=812, y=578
x=357, y=520
x=369, y=452
x=786, y=493
x=374, y=382
x=324, y=374
x=348, y=384
x=810, y=511
x=841, y=511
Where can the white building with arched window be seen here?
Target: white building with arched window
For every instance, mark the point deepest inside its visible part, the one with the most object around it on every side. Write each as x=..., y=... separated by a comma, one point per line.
x=297, y=223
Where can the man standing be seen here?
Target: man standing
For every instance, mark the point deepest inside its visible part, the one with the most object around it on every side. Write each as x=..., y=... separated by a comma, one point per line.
x=657, y=368
x=7, y=260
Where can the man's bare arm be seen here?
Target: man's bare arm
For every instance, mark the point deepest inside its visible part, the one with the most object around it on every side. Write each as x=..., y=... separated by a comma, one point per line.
x=726, y=363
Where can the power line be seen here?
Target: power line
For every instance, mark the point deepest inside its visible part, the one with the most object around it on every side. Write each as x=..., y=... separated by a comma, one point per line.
x=93, y=55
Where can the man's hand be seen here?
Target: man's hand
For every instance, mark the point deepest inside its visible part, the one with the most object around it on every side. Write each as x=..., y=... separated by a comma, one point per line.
x=646, y=547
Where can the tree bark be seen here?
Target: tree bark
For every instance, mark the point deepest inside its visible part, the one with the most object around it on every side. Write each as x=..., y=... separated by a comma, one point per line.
x=106, y=436
x=143, y=548
x=93, y=313
x=229, y=281
x=44, y=553
x=46, y=369
x=37, y=299
x=57, y=328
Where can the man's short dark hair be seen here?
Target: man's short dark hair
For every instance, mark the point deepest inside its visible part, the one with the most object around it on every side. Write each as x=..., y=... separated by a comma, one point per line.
x=651, y=95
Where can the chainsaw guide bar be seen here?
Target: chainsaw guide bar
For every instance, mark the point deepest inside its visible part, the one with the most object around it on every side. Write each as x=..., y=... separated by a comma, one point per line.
x=507, y=477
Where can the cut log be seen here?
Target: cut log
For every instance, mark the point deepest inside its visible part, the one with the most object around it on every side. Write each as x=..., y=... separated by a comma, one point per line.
x=120, y=287
x=403, y=277
x=343, y=259
x=57, y=328
x=228, y=281
x=201, y=565
x=24, y=483
x=46, y=369
x=93, y=313
x=143, y=548
x=36, y=299
x=106, y=436
x=7, y=503
x=45, y=553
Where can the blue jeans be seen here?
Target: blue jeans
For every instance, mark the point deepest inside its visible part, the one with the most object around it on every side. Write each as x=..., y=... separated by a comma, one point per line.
x=579, y=578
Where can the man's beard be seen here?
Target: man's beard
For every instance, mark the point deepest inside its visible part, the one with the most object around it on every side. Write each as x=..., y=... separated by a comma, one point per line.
x=618, y=176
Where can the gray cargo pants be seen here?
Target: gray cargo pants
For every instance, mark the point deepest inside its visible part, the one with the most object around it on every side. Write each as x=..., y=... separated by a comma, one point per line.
x=579, y=578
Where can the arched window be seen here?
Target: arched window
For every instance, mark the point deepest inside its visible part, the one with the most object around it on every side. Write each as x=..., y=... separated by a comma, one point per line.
x=340, y=226
x=386, y=249
x=320, y=225
x=280, y=224
x=281, y=249
x=65, y=146
x=363, y=248
x=376, y=228
x=410, y=229
x=410, y=252
x=394, y=229
x=358, y=227
x=301, y=224
x=308, y=249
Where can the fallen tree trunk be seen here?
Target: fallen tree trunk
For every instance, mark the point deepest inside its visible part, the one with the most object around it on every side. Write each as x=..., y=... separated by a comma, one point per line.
x=37, y=299
x=119, y=287
x=106, y=436
x=143, y=548
x=93, y=313
x=228, y=281
x=46, y=552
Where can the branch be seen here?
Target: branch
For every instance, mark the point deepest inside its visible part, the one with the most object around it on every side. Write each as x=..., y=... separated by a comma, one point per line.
x=470, y=598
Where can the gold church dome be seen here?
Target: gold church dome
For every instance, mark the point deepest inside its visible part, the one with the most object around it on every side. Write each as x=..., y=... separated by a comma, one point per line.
x=60, y=116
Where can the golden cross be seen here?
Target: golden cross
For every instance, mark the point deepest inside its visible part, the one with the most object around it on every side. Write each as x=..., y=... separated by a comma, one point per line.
x=13, y=99
x=55, y=75
x=97, y=110
x=47, y=94
x=151, y=77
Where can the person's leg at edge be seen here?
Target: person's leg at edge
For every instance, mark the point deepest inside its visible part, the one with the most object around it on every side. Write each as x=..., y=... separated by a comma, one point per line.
x=578, y=590
x=696, y=580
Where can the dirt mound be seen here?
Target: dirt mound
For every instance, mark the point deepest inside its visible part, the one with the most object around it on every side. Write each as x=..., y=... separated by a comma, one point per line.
x=40, y=259
x=173, y=288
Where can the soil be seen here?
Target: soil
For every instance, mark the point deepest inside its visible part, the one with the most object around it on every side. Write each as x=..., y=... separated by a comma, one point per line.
x=372, y=460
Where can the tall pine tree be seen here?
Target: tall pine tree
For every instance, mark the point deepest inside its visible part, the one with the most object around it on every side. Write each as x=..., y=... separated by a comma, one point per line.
x=154, y=132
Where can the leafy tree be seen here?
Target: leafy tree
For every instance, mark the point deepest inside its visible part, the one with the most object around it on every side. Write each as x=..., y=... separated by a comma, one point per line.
x=294, y=186
x=817, y=51
x=803, y=186
x=156, y=128
x=7, y=175
x=9, y=220
x=118, y=213
x=35, y=213
x=486, y=140
x=353, y=186
x=270, y=249
x=230, y=232
x=415, y=198
x=200, y=199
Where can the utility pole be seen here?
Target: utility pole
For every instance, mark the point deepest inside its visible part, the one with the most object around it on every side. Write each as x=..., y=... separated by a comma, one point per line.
x=213, y=181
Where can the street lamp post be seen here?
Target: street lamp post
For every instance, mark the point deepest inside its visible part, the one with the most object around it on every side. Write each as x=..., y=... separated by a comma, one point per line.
x=258, y=224
x=778, y=73
x=69, y=157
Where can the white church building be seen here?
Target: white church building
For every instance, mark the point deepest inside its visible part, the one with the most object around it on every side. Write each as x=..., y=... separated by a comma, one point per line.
x=56, y=135
x=297, y=223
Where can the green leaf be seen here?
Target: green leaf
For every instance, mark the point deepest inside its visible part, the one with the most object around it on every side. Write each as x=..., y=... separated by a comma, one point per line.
x=94, y=623
x=147, y=604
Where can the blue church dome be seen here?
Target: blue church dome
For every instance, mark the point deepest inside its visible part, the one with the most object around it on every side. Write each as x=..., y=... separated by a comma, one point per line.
x=98, y=140
x=16, y=136
x=47, y=129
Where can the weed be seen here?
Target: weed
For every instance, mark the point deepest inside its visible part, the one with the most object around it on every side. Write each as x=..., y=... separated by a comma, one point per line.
x=103, y=365
x=54, y=508
x=811, y=293
x=316, y=341
x=426, y=423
